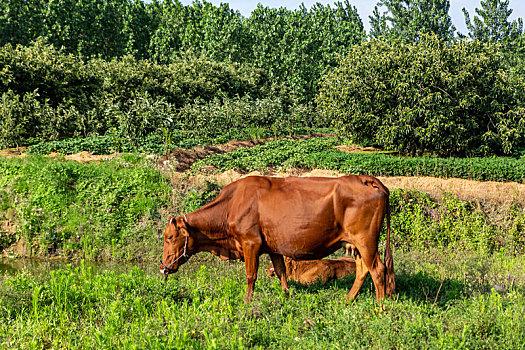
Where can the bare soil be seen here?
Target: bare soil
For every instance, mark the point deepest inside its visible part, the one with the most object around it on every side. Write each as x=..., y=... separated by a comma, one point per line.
x=13, y=152
x=357, y=149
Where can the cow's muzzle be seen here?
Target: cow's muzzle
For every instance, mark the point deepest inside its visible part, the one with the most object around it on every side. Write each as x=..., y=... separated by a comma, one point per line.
x=167, y=269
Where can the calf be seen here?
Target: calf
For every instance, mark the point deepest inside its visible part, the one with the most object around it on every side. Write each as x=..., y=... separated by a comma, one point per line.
x=309, y=271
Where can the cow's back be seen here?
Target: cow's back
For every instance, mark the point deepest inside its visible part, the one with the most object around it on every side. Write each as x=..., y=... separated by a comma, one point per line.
x=302, y=217
x=324, y=270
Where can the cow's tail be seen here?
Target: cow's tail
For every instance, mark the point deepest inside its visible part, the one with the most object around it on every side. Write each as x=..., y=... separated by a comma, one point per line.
x=389, y=261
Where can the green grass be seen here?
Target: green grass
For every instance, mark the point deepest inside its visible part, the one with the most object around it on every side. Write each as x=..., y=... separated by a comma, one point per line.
x=445, y=300
x=318, y=153
x=111, y=209
x=459, y=272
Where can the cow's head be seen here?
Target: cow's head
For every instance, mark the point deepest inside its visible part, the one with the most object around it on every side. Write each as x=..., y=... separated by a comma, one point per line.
x=270, y=271
x=177, y=244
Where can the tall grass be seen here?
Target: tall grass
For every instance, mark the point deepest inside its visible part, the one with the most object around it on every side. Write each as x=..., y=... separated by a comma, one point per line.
x=448, y=303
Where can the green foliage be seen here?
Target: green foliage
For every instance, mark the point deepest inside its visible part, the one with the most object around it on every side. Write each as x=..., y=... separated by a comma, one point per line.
x=293, y=47
x=493, y=23
x=201, y=307
x=449, y=98
x=200, y=195
x=318, y=153
x=47, y=94
x=219, y=117
x=282, y=153
x=167, y=142
x=105, y=28
x=407, y=19
x=67, y=208
x=91, y=144
x=420, y=222
x=116, y=209
x=218, y=33
x=296, y=48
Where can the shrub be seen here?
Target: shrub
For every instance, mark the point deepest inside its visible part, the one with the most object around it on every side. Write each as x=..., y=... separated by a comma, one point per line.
x=430, y=95
x=47, y=94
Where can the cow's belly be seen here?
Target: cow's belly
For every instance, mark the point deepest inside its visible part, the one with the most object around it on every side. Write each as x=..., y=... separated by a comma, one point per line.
x=303, y=244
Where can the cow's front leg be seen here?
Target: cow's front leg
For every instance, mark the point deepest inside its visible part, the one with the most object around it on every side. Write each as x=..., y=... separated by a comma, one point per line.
x=251, y=261
x=280, y=270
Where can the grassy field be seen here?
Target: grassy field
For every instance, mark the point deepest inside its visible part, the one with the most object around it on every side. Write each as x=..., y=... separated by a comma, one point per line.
x=459, y=269
x=444, y=300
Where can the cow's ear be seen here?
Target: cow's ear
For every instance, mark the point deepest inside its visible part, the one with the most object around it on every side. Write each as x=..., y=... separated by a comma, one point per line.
x=182, y=226
x=172, y=221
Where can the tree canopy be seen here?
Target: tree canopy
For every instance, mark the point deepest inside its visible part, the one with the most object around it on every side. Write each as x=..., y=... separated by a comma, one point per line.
x=408, y=19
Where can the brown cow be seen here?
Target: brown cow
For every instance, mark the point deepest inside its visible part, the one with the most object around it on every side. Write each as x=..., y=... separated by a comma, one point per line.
x=302, y=218
x=310, y=271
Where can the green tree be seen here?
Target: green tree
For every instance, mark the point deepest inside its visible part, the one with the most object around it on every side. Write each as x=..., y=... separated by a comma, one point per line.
x=493, y=23
x=430, y=95
x=217, y=33
x=20, y=21
x=297, y=47
x=407, y=19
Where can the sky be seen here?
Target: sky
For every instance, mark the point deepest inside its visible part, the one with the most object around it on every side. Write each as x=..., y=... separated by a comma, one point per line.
x=365, y=8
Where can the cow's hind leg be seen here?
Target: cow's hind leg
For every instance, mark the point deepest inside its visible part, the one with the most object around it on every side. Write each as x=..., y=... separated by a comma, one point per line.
x=376, y=268
x=360, y=274
x=251, y=260
x=280, y=270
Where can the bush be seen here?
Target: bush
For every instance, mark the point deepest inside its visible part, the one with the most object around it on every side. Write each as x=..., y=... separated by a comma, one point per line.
x=449, y=98
x=48, y=94
x=420, y=222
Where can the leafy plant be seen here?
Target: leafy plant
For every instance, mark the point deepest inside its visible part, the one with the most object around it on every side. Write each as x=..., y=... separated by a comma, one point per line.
x=430, y=95
x=319, y=153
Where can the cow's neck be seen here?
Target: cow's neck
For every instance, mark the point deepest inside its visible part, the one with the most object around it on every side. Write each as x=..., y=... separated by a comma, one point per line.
x=210, y=222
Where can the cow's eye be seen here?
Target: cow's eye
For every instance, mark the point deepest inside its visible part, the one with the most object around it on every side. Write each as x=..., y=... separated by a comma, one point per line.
x=170, y=237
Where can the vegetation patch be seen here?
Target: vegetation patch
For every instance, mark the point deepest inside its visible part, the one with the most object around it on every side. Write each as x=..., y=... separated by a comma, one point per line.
x=117, y=210
x=110, y=209
x=320, y=154
x=459, y=300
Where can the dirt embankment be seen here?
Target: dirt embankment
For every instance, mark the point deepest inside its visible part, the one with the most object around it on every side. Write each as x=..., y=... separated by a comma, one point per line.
x=504, y=193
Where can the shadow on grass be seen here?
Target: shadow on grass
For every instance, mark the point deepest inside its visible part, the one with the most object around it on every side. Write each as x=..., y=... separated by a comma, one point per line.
x=419, y=287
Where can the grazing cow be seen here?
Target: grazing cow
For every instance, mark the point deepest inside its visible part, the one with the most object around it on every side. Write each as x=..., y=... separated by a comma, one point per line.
x=302, y=218
x=310, y=271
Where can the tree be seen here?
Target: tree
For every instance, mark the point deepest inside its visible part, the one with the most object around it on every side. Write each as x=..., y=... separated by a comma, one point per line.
x=493, y=23
x=20, y=21
x=407, y=19
x=430, y=95
x=297, y=47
